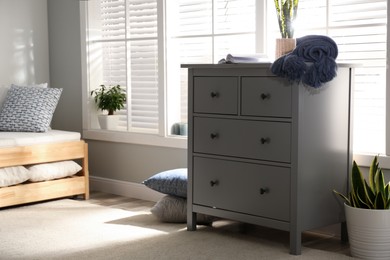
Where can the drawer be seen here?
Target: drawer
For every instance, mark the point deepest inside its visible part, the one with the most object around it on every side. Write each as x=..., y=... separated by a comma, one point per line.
x=242, y=187
x=261, y=140
x=216, y=95
x=265, y=96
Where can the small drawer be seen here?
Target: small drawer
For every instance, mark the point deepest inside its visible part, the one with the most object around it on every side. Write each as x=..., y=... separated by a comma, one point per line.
x=263, y=140
x=265, y=96
x=216, y=95
x=247, y=188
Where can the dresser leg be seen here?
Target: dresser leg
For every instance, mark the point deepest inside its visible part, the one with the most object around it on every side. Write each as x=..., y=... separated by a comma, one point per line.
x=295, y=242
x=191, y=221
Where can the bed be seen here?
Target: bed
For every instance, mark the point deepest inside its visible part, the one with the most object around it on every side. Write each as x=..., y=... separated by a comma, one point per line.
x=37, y=163
x=42, y=148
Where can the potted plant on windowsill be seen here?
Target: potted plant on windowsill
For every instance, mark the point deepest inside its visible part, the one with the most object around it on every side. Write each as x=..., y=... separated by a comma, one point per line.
x=367, y=213
x=286, y=11
x=109, y=99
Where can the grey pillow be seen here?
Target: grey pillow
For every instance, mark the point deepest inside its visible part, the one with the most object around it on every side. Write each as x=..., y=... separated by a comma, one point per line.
x=173, y=209
x=171, y=182
x=29, y=109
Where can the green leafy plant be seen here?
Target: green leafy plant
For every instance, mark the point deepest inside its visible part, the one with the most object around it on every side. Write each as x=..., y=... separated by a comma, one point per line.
x=372, y=195
x=109, y=98
x=286, y=11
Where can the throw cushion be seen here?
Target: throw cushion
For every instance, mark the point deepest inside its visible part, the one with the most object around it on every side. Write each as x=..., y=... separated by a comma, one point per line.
x=4, y=91
x=51, y=171
x=13, y=175
x=29, y=109
x=173, y=209
x=171, y=182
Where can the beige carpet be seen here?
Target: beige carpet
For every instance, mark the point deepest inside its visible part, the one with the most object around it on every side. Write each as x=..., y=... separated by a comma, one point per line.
x=71, y=229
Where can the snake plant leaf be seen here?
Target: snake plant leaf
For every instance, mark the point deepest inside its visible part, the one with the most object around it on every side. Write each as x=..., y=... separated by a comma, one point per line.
x=358, y=186
x=380, y=202
x=361, y=201
x=380, y=181
x=372, y=171
x=387, y=196
x=370, y=195
x=347, y=200
x=387, y=191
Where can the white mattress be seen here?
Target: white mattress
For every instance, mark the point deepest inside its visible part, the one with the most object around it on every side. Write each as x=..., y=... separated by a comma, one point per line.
x=9, y=139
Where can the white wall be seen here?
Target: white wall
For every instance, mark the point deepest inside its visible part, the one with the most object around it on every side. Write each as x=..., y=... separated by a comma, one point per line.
x=24, y=51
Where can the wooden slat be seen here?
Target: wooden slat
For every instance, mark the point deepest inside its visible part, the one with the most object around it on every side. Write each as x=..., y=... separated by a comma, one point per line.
x=32, y=192
x=24, y=155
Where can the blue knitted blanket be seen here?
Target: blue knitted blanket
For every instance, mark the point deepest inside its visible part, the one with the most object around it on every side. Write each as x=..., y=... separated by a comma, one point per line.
x=312, y=62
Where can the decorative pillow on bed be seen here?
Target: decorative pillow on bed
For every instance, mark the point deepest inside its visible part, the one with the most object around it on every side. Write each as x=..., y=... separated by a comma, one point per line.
x=172, y=182
x=51, y=171
x=4, y=91
x=173, y=209
x=29, y=109
x=13, y=175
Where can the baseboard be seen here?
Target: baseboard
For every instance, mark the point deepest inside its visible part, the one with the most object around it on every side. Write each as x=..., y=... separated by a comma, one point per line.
x=123, y=188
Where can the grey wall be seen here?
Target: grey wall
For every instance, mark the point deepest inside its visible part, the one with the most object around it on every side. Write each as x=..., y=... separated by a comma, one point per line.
x=23, y=42
x=125, y=162
x=65, y=63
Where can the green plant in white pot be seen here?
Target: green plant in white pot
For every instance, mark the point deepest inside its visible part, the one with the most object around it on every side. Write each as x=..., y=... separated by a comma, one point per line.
x=286, y=12
x=109, y=99
x=367, y=213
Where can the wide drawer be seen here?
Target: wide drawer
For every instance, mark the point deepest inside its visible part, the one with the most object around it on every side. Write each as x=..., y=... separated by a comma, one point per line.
x=254, y=189
x=216, y=95
x=265, y=96
x=263, y=140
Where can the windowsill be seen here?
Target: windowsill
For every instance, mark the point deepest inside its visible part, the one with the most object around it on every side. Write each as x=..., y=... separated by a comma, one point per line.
x=136, y=138
x=366, y=159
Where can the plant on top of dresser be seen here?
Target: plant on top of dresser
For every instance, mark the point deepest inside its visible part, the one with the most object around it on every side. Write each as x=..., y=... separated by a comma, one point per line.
x=367, y=213
x=286, y=11
x=111, y=99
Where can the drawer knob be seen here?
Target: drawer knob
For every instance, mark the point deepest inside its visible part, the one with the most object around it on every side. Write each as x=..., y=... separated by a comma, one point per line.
x=265, y=140
x=265, y=96
x=214, y=94
x=264, y=190
x=214, y=183
x=214, y=135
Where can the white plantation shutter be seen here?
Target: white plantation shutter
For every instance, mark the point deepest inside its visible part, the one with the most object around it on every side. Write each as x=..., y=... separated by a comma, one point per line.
x=124, y=33
x=359, y=29
x=143, y=67
x=205, y=31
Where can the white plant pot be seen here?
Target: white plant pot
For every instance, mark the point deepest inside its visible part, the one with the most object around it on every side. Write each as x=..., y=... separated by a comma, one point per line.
x=108, y=122
x=368, y=232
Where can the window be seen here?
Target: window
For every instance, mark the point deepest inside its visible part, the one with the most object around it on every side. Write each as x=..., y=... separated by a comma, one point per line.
x=123, y=49
x=140, y=44
x=359, y=28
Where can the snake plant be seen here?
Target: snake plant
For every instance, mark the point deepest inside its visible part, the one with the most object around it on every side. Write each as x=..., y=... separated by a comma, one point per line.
x=286, y=11
x=372, y=195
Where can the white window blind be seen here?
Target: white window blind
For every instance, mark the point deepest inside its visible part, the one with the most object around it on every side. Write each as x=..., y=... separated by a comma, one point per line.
x=123, y=49
x=359, y=29
x=205, y=31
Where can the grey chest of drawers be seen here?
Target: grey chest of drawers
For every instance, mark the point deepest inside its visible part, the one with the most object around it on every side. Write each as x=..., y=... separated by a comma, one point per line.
x=267, y=152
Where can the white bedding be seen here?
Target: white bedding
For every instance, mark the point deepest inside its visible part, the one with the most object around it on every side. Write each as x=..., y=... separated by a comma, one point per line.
x=9, y=139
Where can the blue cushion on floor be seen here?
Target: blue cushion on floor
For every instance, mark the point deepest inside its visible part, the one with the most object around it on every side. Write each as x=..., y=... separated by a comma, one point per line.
x=171, y=182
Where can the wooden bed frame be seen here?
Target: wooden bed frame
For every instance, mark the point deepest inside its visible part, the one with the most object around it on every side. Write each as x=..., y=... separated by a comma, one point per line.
x=43, y=153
